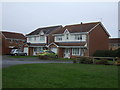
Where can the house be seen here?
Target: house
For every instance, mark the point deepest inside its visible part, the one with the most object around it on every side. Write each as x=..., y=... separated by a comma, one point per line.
x=80, y=40
x=12, y=40
x=114, y=43
x=39, y=39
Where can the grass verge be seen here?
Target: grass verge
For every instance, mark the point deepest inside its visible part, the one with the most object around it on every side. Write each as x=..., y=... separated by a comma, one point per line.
x=60, y=76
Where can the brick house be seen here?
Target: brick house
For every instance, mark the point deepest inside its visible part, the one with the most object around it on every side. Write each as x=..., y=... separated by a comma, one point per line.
x=114, y=43
x=11, y=40
x=80, y=40
x=39, y=39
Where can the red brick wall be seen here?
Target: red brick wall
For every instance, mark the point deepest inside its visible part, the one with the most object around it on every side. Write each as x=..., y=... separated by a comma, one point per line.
x=30, y=51
x=60, y=52
x=98, y=40
x=6, y=43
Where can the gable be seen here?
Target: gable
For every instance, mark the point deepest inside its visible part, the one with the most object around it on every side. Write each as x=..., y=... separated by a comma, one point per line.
x=41, y=32
x=102, y=27
x=66, y=31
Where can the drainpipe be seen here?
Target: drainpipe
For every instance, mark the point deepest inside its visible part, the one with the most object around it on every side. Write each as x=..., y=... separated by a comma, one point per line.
x=80, y=40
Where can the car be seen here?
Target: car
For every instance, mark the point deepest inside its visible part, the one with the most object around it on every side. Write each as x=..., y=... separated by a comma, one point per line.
x=117, y=62
x=17, y=52
x=47, y=53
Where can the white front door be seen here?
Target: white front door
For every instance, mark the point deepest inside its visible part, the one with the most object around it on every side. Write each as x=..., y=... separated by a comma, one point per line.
x=67, y=53
x=54, y=50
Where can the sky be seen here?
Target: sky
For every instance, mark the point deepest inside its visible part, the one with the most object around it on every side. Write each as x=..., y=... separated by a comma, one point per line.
x=25, y=17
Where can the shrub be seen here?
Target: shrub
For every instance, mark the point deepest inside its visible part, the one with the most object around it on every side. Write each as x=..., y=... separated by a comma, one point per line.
x=102, y=61
x=43, y=57
x=117, y=52
x=85, y=60
x=105, y=53
x=74, y=61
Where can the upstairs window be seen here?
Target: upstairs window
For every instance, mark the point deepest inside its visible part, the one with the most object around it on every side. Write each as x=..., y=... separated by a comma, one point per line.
x=78, y=37
x=59, y=38
x=30, y=38
x=35, y=38
x=42, y=38
x=67, y=36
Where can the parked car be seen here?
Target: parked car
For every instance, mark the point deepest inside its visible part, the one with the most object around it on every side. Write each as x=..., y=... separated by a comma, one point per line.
x=17, y=52
x=117, y=62
x=48, y=53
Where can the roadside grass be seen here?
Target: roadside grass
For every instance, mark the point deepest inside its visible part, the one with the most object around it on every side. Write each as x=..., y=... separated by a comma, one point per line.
x=60, y=76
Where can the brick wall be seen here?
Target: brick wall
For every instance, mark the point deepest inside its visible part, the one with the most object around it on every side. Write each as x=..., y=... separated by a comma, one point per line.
x=98, y=40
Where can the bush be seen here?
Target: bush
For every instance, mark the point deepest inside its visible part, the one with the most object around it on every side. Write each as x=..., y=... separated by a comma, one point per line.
x=43, y=57
x=74, y=61
x=85, y=60
x=105, y=53
x=102, y=61
x=117, y=52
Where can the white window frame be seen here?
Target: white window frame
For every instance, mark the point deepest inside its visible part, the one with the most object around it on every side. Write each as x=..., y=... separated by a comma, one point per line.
x=74, y=52
x=59, y=38
x=78, y=37
x=42, y=38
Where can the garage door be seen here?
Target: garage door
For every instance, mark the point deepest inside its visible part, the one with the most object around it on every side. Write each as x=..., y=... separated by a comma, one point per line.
x=54, y=50
x=26, y=50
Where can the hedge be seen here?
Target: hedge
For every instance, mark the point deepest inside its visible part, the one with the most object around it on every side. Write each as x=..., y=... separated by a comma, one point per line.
x=107, y=53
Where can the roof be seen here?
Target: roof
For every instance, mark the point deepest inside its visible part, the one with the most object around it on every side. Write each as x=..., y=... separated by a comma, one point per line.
x=114, y=40
x=71, y=43
x=83, y=27
x=46, y=30
x=36, y=44
x=13, y=35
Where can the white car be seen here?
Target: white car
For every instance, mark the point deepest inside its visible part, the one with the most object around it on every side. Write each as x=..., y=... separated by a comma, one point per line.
x=17, y=52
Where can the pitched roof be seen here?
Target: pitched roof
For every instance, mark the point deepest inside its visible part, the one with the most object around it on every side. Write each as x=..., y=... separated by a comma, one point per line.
x=114, y=40
x=83, y=27
x=13, y=35
x=46, y=30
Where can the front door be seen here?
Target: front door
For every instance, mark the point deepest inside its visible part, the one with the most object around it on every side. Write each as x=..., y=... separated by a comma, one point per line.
x=67, y=53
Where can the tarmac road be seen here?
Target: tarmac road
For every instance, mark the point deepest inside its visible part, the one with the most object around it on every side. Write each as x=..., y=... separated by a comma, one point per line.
x=6, y=61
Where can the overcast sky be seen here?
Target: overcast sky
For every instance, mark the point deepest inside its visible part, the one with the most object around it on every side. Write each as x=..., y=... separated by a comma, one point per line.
x=25, y=17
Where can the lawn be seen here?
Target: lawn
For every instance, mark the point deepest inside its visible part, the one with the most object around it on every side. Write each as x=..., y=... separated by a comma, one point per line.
x=60, y=76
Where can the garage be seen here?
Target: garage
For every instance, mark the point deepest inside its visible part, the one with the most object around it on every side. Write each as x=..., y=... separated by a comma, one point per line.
x=54, y=49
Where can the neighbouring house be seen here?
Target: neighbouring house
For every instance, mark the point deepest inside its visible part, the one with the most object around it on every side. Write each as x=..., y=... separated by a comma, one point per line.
x=12, y=40
x=114, y=43
x=38, y=39
x=80, y=40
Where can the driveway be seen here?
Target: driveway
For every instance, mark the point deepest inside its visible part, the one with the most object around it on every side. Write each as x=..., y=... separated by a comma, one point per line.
x=8, y=61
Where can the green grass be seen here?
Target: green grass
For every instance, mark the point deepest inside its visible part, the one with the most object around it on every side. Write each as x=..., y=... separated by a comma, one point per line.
x=22, y=56
x=60, y=76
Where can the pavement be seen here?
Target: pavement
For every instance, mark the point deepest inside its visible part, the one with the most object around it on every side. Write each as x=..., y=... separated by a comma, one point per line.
x=8, y=61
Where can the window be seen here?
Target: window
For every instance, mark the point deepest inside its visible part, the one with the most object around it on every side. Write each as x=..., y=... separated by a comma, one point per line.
x=78, y=37
x=30, y=38
x=67, y=36
x=42, y=38
x=35, y=38
x=75, y=51
x=59, y=38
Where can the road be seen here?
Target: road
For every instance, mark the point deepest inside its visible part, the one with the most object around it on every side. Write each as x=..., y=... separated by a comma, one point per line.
x=8, y=61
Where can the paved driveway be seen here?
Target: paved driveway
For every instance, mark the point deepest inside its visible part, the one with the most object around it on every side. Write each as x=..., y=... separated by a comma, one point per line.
x=8, y=61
